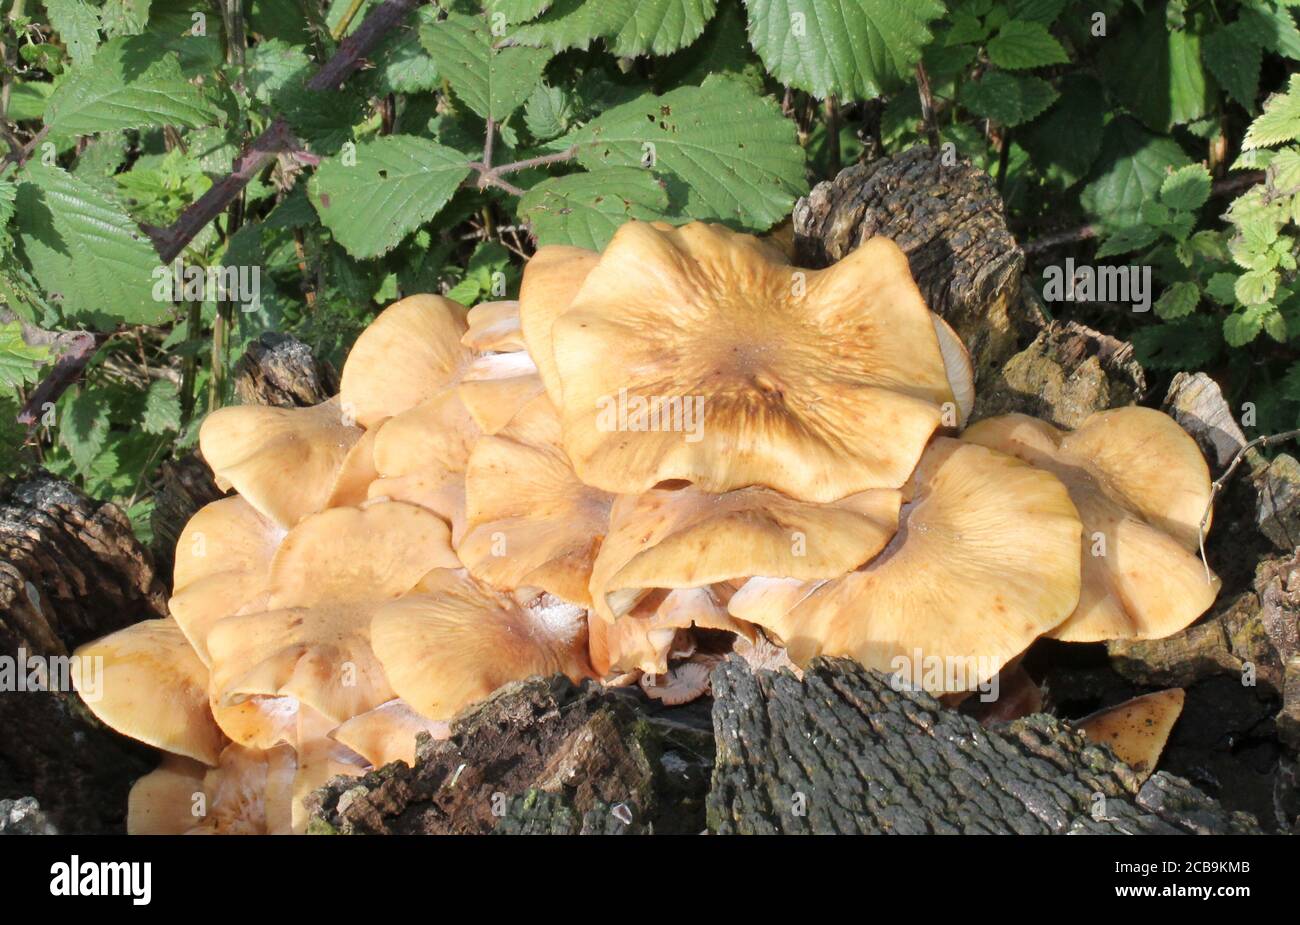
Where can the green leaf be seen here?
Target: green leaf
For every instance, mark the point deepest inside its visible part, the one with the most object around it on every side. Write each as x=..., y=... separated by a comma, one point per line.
x=272, y=66
x=1222, y=288
x=1068, y=137
x=1041, y=11
x=1128, y=238
x=1256, y=287
x=1178, y=301
x=516, y=11
x=1007, y=98
x=1187, y=188
x=1132, y=168
x=661, y=27
x=1275, y=326
x=78, y=25
x=403, y=63
x=727, y=153
x=548, y=112
x=854, y=49
x=574, y=23
x=1187, y=344
x=487, y=275
x=585, y=209
x=83, y=427
x=1233, y=57
x=125, y=17
x=1240, y=328
x=397, y=183
x=1273, y=28
x=1280, y=120
x=1156, y=72
x=81, y=245
x=19, y=362
x=162, y=408
x=1022, y=45
x=116, y=90
x=491, y=81
x=1284, y=171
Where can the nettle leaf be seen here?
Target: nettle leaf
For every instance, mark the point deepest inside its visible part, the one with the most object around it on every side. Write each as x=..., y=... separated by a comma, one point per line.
x=548, y=112
x=1280, y=120
x=1156, y=72
x=726, y=153
x=1256, y=287
x=1284, y=171
x=1240, y=328
x=585, y=209
x=117, y=90
x=1221, y=288
x=854, y=49
x=1023, y=45
x=162, y=408
x=1178, y=301
x=1233, y=56
x=82, y=246
x=1133, y=166
x=1007, y=98
x=78, y=25
x=19, y=362
x=1187, y=188
x=491, y=81
x=396, y=184
x=1272, y=28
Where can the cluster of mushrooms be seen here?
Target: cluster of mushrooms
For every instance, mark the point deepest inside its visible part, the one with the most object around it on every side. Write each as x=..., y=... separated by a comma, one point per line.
x=677, y=448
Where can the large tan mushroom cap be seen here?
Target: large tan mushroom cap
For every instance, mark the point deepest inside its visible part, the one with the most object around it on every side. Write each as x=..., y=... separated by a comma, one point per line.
x=496, y=386
x=687, y=538
x=454, y=640
x=1141, y=486
x=1136, y=730
x=552, y=277
x=696, y=353
x=494, y=326
x=168, y=800
x=328, y=576
x=387, y=733
x=152, y=688
x=285, y=462
x=986, y=559
x=529, y=520
x=223, y=561
x=406, y=355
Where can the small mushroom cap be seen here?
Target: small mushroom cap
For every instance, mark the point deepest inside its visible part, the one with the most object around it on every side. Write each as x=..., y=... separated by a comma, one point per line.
x=494, y=326
x=958, y=367
x=223, y=560
x=285, y=462
x=453, y=640
x=387, y=733
x=330, y=573
x=687, y=538
x=163, y=802
x=529, y=520
x=552, y=277
x=986, y=559
x=1141, y=576
x=680, y=684
x=1136, y=730
x=496, y=386
x=405, y=356
x=153, y=688
x=256, y=722
x=698, y=354
x=645, y=639
x=443, y=494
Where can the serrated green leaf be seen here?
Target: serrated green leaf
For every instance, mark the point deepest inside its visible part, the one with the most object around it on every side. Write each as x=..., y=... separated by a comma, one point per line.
x=516, y=11
x=1240, y=328
x=1022, y=45
x=1275, y=326
x=8, y=195
x=1233, y=57
x=661, y=27
x=402, y=63
x=1008, y=99
x=854, y=49
x=397, y=183
x=1255, y=287
x=83, y=427
x=1221, y=288
x=1187, y=188
x=116, y=90
x=1187, y=344
x=1156, y=72
x=585, y=209
x=78, y=25
x=574, y=23
x=125, y=17
x=1280, y=120
x=1041, y=11
x=727, y=153
x=491, y=81
x=548, y=112
x=19, y=362
x=272, y=66
x=162, y=408
x=1067, y=138
x=81, y=245
x=1126, y=239
x=1178, y=301
x=1131, y=169
x=1272, y=28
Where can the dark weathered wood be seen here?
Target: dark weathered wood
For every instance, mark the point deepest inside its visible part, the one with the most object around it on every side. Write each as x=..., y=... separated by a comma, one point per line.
x=71, y=570
x=280, y=370
x=600, y=759
x=842, y=752
x=950, y=222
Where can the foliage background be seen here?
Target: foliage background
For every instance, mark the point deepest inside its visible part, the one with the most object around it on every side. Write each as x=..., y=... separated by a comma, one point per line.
x=1157, y=133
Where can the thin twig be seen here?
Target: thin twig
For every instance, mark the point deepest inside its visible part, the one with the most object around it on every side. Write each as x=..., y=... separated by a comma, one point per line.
x=927, y=105
x=1259, y=442
x=489, y=142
